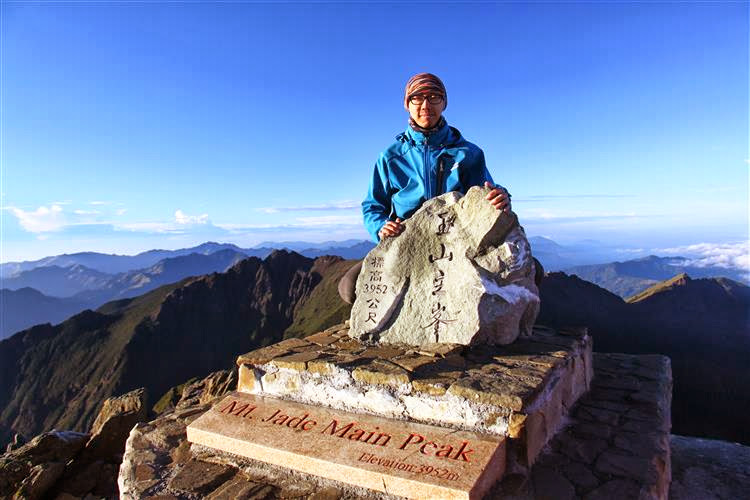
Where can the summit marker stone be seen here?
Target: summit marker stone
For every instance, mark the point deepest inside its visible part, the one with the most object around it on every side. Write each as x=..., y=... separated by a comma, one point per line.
x=461, y=272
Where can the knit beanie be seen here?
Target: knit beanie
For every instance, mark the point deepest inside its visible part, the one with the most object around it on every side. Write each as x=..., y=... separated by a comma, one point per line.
x=422, y=83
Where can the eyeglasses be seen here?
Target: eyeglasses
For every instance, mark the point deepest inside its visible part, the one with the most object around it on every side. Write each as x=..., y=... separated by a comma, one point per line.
x=418, y=99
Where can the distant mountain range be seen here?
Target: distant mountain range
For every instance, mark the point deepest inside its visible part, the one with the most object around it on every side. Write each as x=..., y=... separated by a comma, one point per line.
x=113, y=264
x=556, y=257
x=132, y=283
x=58, y=281
x=88, y=288
x=634, y=276
x=60, y=292
x=57, y=376
x=301, y=246
x=27, y=307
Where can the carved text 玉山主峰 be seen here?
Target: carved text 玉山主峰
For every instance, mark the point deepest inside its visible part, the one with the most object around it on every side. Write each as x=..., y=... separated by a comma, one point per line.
x=437, y=282
x=446, y=222
x=432, y=258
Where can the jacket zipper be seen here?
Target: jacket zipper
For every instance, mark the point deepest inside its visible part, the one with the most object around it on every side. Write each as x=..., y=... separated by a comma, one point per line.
x=440, y=174
x=428, y=181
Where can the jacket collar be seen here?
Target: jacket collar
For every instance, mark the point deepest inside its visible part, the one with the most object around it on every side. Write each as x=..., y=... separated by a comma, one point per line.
x=439, y=138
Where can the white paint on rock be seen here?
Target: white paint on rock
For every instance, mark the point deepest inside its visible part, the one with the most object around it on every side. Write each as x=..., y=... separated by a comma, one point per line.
x=339, y=390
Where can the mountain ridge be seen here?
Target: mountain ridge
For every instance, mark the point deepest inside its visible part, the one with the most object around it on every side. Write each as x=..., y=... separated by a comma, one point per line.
x=631, y=277
x=702, y=324
x=55, y=376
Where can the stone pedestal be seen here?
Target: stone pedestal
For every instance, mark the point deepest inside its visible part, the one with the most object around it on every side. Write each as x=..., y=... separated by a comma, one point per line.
x=615, y=445
x=439, y=420
x=521, y=391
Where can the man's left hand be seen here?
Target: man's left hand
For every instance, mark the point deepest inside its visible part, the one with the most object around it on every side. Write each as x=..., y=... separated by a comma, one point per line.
x=498, y=197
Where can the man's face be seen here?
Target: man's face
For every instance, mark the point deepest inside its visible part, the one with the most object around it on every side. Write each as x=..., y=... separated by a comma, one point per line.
x=426, y=114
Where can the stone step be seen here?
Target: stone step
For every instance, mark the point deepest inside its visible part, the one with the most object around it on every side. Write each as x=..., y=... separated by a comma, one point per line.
x=616, y=443
x=520, y=391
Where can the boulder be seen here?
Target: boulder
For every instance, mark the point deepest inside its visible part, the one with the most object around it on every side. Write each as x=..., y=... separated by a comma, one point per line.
x=461, y=272
x=31, y=470
x=40, y=479
x=113, y=423
x=208, y=389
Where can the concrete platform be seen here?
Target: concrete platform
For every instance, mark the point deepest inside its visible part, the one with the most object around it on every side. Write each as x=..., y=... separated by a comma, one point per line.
x=521, y=391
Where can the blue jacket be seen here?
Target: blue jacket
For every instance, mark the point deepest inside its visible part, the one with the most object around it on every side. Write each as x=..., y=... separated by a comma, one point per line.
x=418, y=167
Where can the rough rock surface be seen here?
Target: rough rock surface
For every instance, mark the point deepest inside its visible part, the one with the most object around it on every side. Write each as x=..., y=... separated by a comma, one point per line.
x=31, y=470
x=705, y=469
x=65, y=464
x=615, y=448
x=112, y=426
x=461, y=272
x=208, y=389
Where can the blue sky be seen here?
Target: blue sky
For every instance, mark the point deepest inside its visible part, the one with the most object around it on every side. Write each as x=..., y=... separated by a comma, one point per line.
x=137, y=125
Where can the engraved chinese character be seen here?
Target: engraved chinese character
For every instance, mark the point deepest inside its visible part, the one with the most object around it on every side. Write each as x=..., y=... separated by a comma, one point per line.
x=437, y=282
x=371, y=317
x=442, y=255
x=446, y=222
x=372, y=303
x=437, y=319
x=376, y=262
x=376, y=275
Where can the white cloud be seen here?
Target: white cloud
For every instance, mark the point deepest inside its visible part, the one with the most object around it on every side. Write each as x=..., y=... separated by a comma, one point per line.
x=182, y=218
x=86, y=212
x=557, y=216
x=99, y=203
x=630, y=250
x=43, y=219
x=726, y=255
x=544, y=197
x=182, y=224
x=121, y=211
x=336, y=205
x=247, y=227
x=322, y=222
x=147, y=227
x=330, y=220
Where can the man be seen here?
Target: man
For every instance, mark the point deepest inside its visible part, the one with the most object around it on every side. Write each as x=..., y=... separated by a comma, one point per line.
x=428, y=159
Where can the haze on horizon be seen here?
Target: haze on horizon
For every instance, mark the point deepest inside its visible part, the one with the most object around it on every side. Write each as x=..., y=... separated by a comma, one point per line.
x=131, y=126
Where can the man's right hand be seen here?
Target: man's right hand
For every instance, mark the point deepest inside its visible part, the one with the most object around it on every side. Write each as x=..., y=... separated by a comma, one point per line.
x=391, y=228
